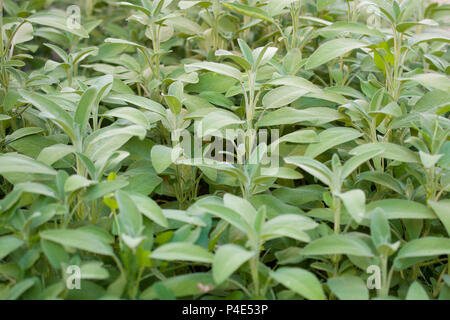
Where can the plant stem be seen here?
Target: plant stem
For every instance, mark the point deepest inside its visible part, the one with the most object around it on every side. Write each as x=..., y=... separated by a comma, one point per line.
x=384, y=285
x=337, y=214
x=285, y=41
x=156, y=44
x=295, y=12
x=3, y=54
x=254, y=270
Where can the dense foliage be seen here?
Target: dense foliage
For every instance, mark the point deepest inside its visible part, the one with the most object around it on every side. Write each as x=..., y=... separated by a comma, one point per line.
x=131, y=148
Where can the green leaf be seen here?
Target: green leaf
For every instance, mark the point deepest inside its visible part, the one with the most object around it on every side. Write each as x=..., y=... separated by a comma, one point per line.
x=103, y=188
x=24, y=34
x=349, y=27
x=50, y=109
x=355, y=202
x=149, y=208
x=180, y=215
x=117, y=288
x=293, y=81
x=442, y=210
x=330, y=138
x=300, y=136
x=162, y=293
x=227, y=260
x=228, y=215
x=287, y=115
x=126, y=42
x=322, y=4
x=387, y=8
x=183, y=285
x=139, y=101
x=429, y=160
x=246, y=51
x=438, y=35
x=211, y=81
x=162, y=157
x=338, y=244
x=60, y=52
x=219, y=68
x=379, y=228
x=215, y=121
x=182, y=251
x=249, y=11
x=183, y=5
x=263, y=55
x=55, y=254
x=389, y=151
x=348, y=288
x=13, y=162
x=20, y=288
x=241, y=206
x=57, y=19
x=288, y=225
x=51, y=154
x=402, y=27
x=77, y=239
x=416, y=292
x=130, y=218
x=76, y=182
x=243, y=62
x=354, y=162
x=401, y=209
x=276, y=7
x=20, y=133
x=419, y=248
x=260, y=217
x=300, y=281
x=174, y=104
x=431, y=80
x=8, y=244
x=185, y=26
x=282, y=96
x=93, y=270
x=84, y=108
x=313, y=167
x=383, y=179
x=106, y=141
x=216, y=99
x=333, y=49
x=131, y=114
x=135, y=7
x=281, y=173
x=432, y=101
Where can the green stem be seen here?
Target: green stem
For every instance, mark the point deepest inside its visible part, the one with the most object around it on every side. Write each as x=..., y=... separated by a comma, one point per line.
x=155, y=34
x=395, y=89
x=337, y=214
x=1, y=28
x=254, y=270
x=117, y=222
x=285, y=41
x=384, y=285
x=69, y=76
x=3, y=54
x=295, y=12
x=119, y=264
x=348, y=10
x=355, y=11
